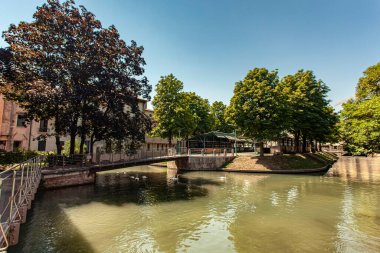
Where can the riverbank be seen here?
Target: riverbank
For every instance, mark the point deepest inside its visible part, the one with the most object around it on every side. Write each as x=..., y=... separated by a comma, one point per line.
x=286, y=163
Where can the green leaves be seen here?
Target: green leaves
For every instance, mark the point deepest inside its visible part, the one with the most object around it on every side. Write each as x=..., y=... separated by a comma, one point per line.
x=72, y=70
x=265, y=108
x=360, y=125
x=256, y=106
x=178, y=113
x=218, y=117
x=360, y=116
x=369, y=85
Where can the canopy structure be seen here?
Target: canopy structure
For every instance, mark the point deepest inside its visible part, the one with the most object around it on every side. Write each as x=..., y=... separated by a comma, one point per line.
x=220, y=140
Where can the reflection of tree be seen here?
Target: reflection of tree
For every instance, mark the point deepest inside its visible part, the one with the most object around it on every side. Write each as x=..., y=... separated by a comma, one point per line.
x=206, y=212
x=357, y=230
x=290, y=213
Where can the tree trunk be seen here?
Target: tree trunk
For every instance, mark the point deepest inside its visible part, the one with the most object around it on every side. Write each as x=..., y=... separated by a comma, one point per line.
x=303, y=144
x=92, y=142
x=58, y=144
x=297, y=141
x=72, y=142
x=261, y=148
x=170, y=141
x=82, y=140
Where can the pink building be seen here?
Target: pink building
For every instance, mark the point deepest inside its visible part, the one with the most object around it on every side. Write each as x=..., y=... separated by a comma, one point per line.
x=15, y=133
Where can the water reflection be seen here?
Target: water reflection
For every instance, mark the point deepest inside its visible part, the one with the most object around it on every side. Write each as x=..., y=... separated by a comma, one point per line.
x=206, y=212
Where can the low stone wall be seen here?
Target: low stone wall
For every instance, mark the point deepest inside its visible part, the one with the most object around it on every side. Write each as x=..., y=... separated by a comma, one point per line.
x=197, y=163
x=360, y=168
x=70, y=178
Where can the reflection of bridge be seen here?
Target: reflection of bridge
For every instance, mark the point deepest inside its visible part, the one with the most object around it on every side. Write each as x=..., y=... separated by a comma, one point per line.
x=19, y=183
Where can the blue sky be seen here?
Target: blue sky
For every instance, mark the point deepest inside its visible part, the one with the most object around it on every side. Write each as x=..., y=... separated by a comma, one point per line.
x=210, y=45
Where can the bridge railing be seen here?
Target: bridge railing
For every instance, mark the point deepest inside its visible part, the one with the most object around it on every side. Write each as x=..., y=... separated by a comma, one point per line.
x=18, y=185
x=104, y=158
x=61, y=161
x=138, y=155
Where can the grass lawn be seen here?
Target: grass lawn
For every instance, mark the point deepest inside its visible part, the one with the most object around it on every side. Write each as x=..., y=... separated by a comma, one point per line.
x=277, y=162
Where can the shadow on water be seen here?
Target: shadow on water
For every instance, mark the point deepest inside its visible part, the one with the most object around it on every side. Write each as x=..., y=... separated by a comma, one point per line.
x=114, y=188
x=58, y=233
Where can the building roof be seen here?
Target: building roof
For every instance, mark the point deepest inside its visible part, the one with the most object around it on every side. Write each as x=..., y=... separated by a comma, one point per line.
x=221, y=135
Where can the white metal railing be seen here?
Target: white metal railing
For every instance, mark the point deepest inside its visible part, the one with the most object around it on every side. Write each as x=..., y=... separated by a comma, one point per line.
x=158, y=154
x=18, y=185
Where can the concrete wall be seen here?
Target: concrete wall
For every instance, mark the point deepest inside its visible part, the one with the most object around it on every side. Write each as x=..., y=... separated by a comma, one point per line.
x=55, y=180
x=356, y=168
x=197, y=163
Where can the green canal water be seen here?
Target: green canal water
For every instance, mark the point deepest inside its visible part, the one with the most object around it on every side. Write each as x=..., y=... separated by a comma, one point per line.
x=206, y=212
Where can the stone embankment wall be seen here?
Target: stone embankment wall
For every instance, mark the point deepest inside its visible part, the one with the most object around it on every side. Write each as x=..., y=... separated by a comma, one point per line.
x=353, y=167
x=199, y=163
x=56, y=179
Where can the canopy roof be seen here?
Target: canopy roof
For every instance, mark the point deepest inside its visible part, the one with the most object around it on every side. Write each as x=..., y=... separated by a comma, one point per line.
x=220, y=135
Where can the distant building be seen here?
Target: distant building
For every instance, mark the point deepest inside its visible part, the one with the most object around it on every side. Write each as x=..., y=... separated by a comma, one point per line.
x=16, y=133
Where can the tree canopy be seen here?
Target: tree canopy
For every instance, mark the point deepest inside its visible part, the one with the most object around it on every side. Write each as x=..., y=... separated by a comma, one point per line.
x=172, y=117
x=70, y=69
x=256, y=107
x=309, y=114
x=218, y=115
x=360, y=116
x=369, y=85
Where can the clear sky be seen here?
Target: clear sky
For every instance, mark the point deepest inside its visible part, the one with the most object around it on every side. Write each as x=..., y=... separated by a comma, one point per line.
x=210, y=45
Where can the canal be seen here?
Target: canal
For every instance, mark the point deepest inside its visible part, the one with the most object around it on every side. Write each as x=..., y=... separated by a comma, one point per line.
x=205, y=212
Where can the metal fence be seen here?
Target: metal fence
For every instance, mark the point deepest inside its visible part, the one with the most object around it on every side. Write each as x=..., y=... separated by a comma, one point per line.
x=105, y=158
x=18, y=186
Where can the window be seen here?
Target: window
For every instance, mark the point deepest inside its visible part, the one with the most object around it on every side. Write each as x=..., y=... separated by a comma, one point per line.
x=21, y=120
x=16, y=145
x=43, y=125
x=2, y=145
x=148, y=148
x=41, y=145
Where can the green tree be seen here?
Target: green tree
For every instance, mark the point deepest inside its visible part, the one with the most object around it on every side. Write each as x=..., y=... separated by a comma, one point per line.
x=369, y=85
x=172, y=116
x=360, y=116
x=309, y=114
x=256, y=107
x=200, y=110
x=218, y=111
x=360, y=125
x=70, y=69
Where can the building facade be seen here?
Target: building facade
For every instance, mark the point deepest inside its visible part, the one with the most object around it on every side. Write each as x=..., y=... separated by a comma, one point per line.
x=16, y=133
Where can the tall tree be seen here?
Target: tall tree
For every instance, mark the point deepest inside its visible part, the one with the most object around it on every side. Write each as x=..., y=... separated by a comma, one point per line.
x=218, y=111
x=256, y=107
x=200, y=110
x=360, y=116
x=172, y=116
x=68, y=65
x=309, y=114
x=369, y=85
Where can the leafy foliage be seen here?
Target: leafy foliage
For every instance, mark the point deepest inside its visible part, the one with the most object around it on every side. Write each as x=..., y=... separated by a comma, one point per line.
x=369, y=85
x=218, y=114
x=172, y=117
x=360, y=116
x=360, y=125
x=256, y=107
x=67, y=67
x=309, y=112
x=200, y=110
